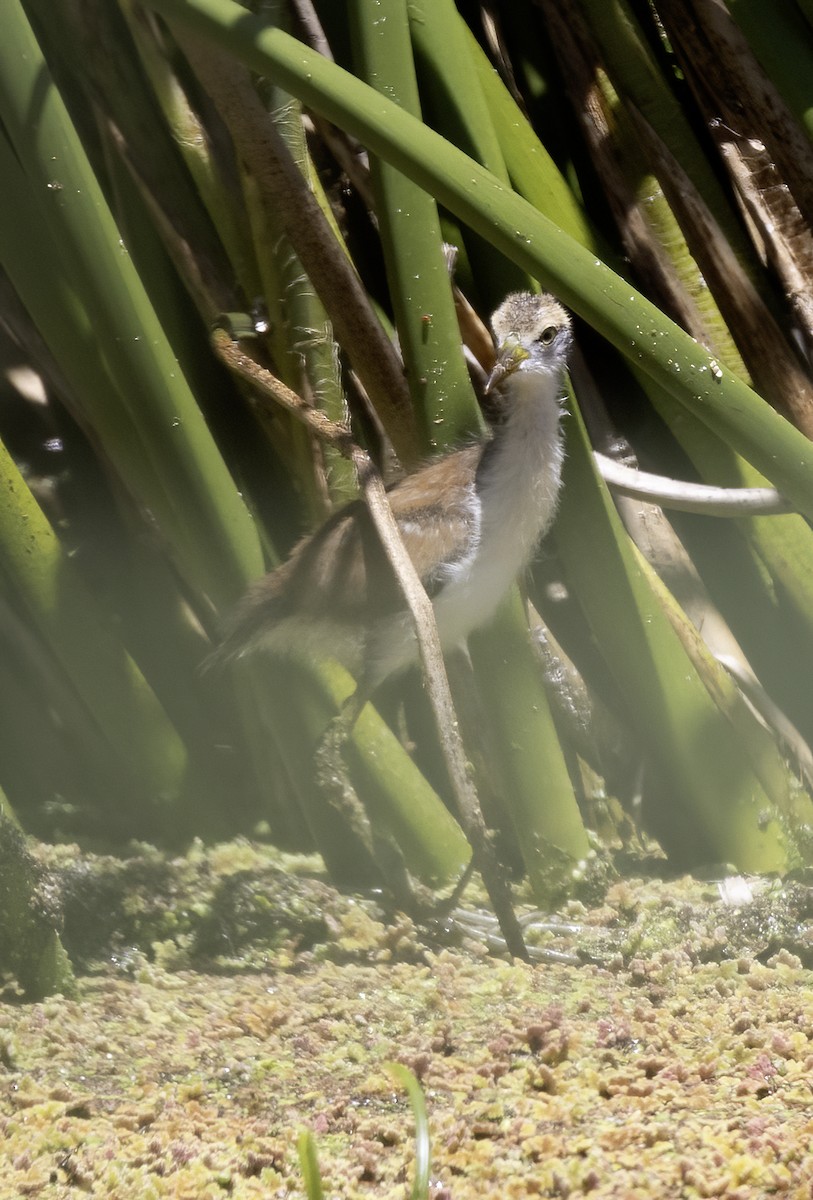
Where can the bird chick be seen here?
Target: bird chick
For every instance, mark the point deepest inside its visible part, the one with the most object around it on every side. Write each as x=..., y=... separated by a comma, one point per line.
x=470, y=521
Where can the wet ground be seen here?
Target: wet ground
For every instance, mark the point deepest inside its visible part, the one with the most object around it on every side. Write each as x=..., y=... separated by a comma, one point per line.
x=227, y=1000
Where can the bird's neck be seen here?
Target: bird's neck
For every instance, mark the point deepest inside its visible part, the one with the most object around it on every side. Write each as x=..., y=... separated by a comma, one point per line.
x=520, y=472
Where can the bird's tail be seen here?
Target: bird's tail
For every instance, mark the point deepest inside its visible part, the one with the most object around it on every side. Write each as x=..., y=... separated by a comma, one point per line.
x=244, y=627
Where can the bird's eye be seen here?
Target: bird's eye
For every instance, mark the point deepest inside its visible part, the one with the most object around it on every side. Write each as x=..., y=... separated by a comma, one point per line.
x=547, y=335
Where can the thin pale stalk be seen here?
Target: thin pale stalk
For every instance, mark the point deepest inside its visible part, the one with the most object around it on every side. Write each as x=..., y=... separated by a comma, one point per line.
x=425, y=839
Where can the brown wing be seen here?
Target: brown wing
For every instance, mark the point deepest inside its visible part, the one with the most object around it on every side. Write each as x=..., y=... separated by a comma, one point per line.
x=438, y=533
x=341, y=570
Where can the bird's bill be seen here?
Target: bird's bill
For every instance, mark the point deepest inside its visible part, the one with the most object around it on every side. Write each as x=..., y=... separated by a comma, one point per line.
x=510, y=355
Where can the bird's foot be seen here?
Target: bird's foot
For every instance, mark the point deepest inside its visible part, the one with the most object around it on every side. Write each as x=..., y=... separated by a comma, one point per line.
x=407, y=893
x=333, y=780
x=383, y=853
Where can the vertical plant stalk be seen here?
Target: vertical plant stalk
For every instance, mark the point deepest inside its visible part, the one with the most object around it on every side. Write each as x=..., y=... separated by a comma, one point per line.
x=537, y=790
x=526, y=749
x=454, y=104
x=283, y=187
x=592, y=104
x=135, y=730
x=211, y=170
x=641, y=83
x=532, y=171
x=704, y=773
x=723, y=68
x=312, y=350
x=768, y=358
x=112, y=77
x=412, y=241
x=768, y=154
x=197, y=503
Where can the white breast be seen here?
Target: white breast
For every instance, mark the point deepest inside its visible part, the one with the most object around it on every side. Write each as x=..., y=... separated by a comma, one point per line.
x=512, y=504
x=517, y=492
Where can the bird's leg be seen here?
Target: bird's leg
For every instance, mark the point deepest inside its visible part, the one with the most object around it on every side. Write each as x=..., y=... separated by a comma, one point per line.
x=332, y=777
x=331, y=770
x=334, y=783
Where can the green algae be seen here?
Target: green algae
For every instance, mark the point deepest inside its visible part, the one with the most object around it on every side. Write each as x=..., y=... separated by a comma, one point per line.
x=674, y=1060
x=672, y=1078
x=30, y=948
x=244, y=906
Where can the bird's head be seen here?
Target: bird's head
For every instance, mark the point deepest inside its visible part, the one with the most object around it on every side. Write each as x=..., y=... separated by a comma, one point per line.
x=531, y=333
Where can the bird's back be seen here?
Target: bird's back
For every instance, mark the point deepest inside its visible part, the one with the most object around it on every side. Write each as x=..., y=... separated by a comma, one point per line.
x=340, y=577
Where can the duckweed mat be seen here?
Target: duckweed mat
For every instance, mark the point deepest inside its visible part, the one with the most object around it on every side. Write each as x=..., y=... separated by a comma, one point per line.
x=675, y=1061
